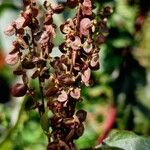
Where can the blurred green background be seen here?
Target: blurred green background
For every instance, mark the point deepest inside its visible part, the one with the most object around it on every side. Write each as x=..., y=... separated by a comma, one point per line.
x=119, y=97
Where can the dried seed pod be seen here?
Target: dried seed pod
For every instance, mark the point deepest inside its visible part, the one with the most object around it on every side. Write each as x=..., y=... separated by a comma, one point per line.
x=34, y=11
x=107, y=11
x=22, y=42
x=27, y=64
x=18, y=71
x=100, y=39
x=26, y=2
x=25, y=78
x=51, y=91
x=81, y=114
x=14, y=50
x=103, y=26
x=52, y=146
x=79, y=131
x=72, y=3
x=62, y=48
x=19, y=90
x=66, y=79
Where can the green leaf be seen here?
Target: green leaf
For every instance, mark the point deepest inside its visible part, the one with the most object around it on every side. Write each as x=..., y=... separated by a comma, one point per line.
x=108, y=148
x=44, y=121
x=127, y=140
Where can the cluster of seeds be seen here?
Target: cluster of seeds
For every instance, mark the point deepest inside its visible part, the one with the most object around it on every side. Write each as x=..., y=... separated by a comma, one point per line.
x=60, y=78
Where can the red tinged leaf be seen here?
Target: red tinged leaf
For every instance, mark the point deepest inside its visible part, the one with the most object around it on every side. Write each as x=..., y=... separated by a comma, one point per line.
x=19, y=90
x=12, y=59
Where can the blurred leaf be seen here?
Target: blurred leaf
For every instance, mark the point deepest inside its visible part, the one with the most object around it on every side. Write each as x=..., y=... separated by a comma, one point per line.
x=127, y=140
x=45, y=121
x=4, y=6
x=29, y=104
x=6, y=145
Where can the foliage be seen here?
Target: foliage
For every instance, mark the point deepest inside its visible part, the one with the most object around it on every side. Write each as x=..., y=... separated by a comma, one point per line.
x=127, y=141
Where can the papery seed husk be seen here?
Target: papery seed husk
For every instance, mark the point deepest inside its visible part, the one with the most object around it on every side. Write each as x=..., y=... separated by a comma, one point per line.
x=85, y=24
x=10, y=30
x=62, y=97
x=20, y=22
x=75, y=93
x=12, y=59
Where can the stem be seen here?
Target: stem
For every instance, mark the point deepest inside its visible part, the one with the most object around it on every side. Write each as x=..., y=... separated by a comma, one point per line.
x=42, y=96
x=40, y=85
x=74, y=54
